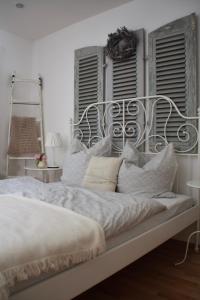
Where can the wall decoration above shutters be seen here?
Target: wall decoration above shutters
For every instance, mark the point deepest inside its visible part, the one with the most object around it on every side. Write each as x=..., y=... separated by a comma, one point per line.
x=173, y=73
x=125, y=79
x=88, y=89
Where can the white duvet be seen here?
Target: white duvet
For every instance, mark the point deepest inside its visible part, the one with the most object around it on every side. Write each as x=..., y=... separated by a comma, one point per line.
x=115, y=212
x=37, y=237
x=61, y=225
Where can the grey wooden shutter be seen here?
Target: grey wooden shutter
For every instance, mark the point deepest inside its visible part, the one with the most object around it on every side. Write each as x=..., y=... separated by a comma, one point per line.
x=88, y=89
x=173, y=72
x=125, y=80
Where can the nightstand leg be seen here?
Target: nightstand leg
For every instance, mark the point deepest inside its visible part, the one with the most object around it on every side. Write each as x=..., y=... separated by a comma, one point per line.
x=25, y=171
x=197, y=237
x=187, y=247
x=45, y=176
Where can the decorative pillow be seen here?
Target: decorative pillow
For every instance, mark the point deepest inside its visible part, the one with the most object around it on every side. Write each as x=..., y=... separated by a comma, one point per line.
x=155, y=177
x=102, y=173
x=76, y=164
x=131, y=155
x=77, y=146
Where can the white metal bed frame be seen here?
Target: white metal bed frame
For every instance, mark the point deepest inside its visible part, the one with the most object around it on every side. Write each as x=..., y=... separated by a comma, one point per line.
x=76, y=280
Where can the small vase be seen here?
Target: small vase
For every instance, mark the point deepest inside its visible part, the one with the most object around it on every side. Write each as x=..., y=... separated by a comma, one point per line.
x=41, y=164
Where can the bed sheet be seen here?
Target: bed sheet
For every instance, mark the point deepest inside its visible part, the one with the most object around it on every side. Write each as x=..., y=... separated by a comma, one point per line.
x=175, y=206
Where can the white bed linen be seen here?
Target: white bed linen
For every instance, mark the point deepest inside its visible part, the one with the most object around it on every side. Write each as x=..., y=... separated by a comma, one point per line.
x=174, y=207
x=115, y=212
x=37, y=237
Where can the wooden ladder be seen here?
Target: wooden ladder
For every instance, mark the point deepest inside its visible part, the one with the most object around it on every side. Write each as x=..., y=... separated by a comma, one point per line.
x=13, y=102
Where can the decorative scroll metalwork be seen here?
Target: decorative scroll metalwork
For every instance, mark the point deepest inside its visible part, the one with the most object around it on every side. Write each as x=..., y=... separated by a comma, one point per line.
x=121, y=119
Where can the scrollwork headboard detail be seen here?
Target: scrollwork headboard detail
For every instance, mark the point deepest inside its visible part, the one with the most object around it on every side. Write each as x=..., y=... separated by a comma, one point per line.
x=140, y=120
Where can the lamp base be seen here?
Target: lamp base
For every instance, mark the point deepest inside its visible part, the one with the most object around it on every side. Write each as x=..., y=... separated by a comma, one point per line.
x=53, y=167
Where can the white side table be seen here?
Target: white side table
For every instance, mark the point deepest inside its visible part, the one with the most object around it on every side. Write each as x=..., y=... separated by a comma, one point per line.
x=196, y=185
x=45, y=171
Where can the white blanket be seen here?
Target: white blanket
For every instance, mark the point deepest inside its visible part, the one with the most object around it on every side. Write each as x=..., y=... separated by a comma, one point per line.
x=39, y=237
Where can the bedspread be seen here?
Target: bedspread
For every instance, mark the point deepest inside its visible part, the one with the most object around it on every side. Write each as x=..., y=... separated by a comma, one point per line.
x=37, y=237
x=115, y=212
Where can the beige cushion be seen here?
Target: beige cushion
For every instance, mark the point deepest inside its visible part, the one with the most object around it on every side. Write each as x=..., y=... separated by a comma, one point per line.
x=102, y=173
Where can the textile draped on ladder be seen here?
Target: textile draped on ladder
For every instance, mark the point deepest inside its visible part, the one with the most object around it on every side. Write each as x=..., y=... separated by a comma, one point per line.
x=23, y=137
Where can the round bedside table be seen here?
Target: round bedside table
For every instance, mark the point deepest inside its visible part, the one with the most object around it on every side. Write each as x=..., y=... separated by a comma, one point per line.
x=196, y=185
x=45, y=171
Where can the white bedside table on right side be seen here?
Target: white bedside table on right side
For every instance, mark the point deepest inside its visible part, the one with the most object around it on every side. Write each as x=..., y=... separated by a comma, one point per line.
x=196, y=185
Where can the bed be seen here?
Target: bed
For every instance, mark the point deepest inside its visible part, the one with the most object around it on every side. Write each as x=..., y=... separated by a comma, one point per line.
x=174, y=213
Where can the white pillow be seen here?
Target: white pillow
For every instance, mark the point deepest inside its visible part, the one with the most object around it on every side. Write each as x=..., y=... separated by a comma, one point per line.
x=155, y=177
x=77, y=146
x=131, y=155
x=102, y=173
x=76, y=164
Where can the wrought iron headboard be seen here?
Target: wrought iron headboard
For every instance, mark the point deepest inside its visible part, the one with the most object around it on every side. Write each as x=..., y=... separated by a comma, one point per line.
x=135, y=118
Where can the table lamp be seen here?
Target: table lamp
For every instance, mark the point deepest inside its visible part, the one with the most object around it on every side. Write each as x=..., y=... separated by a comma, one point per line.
x=53, y=140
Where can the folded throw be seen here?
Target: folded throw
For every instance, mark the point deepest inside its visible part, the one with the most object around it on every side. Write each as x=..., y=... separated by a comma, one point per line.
x=38, y=237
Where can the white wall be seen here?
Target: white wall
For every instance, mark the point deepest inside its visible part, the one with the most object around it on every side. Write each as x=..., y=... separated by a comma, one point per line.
x=53, y=56
x=15, y=54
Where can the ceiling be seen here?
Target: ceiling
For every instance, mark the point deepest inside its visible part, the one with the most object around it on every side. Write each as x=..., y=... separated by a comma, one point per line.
x=42, y=17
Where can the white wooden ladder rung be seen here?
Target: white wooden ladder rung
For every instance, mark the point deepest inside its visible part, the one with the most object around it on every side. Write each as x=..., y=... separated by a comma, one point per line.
x=21, y=157
x=26, y=103
x=23, y=80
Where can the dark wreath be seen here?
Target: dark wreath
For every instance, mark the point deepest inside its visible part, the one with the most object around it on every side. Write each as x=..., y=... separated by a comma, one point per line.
x=121, y=45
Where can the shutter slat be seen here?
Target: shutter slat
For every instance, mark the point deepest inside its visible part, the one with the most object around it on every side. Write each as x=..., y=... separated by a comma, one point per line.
x=169, y=39
x=177, y=72
x=88, y=63
x=87, y=83
x=125, y=88
x=88, y=59
x=173, y=66
x=88, y=78
x=123, y=72
x=127, y=67
x=133, y=95
x=123, y=79
x=87, y=73
x=90, y=93
x=130, y=83
x=87, y=97
x=125, y=62
x=170, y=76
x=168, y=89
x=169, y=58
x=177, y=45
x=170, y=81
x=177, y=53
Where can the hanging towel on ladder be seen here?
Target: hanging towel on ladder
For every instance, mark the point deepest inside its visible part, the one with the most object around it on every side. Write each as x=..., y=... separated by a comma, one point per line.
x=24, y=137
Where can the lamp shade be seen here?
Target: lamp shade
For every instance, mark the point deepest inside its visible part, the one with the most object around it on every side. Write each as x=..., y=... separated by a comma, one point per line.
x=53, y=139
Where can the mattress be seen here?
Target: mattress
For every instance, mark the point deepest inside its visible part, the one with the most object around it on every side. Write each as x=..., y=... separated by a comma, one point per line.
x=174, y=207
